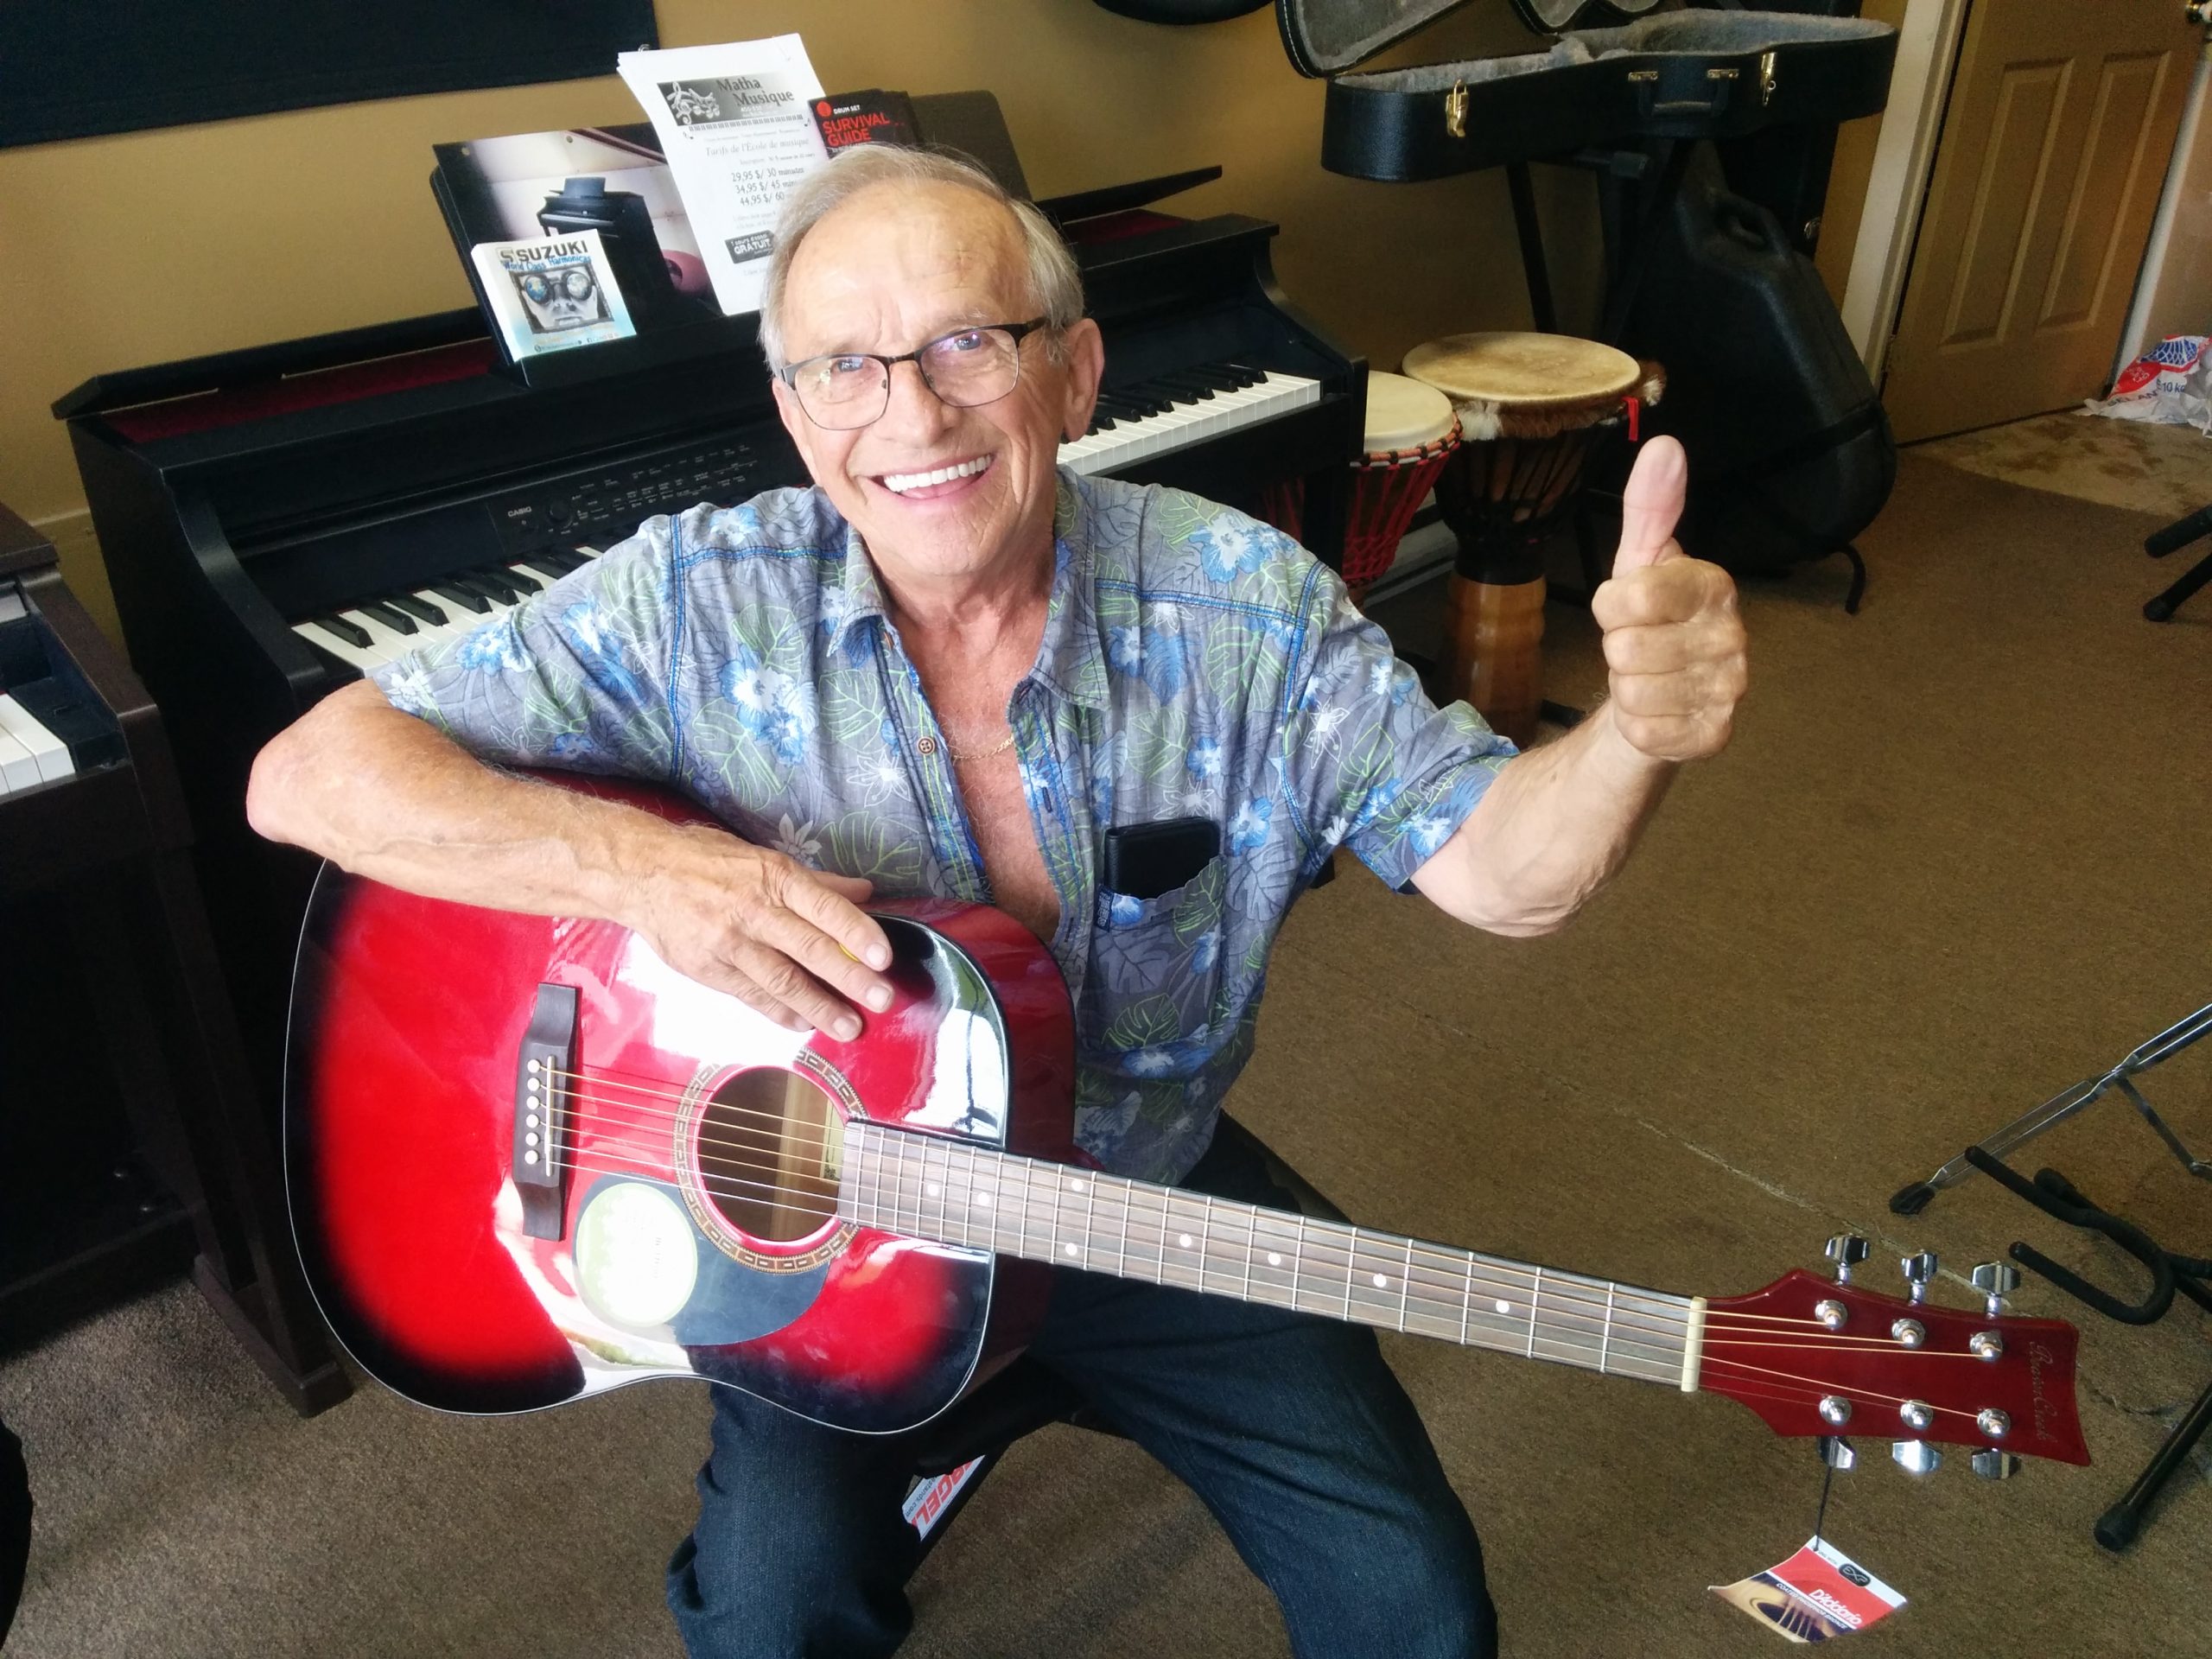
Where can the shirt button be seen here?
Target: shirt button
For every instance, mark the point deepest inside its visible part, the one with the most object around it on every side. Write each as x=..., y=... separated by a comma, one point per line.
x=926, y=745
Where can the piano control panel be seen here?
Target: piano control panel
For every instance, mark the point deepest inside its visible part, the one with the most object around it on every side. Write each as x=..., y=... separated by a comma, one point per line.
x=600, y=505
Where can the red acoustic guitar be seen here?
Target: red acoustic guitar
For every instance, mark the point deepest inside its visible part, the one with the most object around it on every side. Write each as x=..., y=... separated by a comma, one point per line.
x=529, y=1161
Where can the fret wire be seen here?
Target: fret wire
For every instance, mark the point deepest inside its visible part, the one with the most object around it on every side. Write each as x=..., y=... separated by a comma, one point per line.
x=1467, y=1297
x=1056, y=1231
x=1405, y=1285
x=1125, y=1234
x=1351, y=1266
x=1536, y=1296
x=1605, y=1337
x=1206, y=1233
x=1251, y=1232
x=1089, y=1215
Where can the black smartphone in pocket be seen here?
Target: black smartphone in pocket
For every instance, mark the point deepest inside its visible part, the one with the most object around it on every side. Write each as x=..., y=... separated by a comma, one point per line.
x=1146, y=860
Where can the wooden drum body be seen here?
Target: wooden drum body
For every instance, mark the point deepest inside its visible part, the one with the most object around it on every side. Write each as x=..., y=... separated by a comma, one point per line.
x=1530, y=408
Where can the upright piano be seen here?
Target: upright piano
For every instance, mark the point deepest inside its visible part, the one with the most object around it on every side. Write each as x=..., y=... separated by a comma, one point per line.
x=130, y=1147
x=275, y=520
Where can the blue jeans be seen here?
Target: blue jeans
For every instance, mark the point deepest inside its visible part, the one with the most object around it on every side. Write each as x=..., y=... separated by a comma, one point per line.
x=1292, y=1429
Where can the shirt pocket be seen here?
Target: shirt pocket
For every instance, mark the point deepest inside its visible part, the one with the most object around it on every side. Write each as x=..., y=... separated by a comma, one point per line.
x=1154, y=974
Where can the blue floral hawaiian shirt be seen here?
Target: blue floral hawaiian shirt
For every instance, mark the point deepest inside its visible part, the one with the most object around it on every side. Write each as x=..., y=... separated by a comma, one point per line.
x=1195, y=662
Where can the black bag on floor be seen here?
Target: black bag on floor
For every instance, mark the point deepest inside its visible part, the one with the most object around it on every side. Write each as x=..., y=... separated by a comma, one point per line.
x=1791, y=452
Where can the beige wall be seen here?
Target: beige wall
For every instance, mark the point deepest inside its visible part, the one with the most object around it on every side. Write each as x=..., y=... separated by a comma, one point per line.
x=146, y=247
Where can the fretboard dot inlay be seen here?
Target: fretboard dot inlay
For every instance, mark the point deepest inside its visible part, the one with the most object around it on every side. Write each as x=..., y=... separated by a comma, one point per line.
x=1504, y=1306
x=983, y=1197
x=931, y=1189
x=1070, y=1249
x=1274, y=1259
x=1183, y=1240
x=1382, y=1280
x=1075, y=1186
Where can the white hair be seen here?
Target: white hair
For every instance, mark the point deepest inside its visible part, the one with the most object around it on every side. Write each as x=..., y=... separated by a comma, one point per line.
x=1055, y=286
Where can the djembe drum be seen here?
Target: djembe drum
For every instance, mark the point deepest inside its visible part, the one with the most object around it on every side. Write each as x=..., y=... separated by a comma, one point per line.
x=1530, y=406
x=1410, y=433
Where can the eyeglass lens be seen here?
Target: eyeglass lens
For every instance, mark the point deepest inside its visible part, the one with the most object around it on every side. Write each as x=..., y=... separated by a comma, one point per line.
x=967, y=369
x=574, y=283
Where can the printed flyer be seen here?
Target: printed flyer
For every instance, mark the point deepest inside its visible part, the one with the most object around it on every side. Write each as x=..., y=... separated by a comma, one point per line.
x=737, y=125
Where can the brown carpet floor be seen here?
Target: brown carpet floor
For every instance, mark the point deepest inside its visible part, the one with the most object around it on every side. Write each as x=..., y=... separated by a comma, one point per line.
x=1956, y=859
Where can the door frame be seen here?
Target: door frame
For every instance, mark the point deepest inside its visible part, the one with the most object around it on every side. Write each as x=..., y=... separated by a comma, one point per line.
x=1896, y=183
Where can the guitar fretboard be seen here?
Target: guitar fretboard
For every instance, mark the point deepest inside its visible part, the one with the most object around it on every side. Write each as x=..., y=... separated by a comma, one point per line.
x=925, y=1187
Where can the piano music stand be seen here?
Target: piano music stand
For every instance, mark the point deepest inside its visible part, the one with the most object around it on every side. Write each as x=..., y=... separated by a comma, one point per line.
x=113, y=844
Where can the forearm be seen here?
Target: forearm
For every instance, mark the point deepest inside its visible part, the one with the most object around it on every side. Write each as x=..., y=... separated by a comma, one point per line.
x=1551, y=830
x=386, y=796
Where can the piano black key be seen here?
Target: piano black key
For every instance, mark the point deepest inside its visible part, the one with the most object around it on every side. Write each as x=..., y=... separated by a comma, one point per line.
x=87, y=728
x=492, y=584
x=1246, y=375
x=521, y=581
x=391, y=615
x=1219, y=379
x=339, y=628
x=421, y=609
x=1192, y=385
x=559, y=559
x=467, y=598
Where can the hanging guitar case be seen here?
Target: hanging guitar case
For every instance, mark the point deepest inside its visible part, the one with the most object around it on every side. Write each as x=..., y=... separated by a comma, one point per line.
x=1791, y=449
x=1790, y=454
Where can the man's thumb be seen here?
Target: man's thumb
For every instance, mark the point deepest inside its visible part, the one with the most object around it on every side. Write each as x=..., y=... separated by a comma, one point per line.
x=1652, y=505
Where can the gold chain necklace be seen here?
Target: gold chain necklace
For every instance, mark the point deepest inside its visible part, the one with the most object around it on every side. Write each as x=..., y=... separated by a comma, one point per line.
x=999, y=747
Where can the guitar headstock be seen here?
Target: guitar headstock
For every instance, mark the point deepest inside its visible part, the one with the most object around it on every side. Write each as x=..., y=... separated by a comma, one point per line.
x=1815, y=1356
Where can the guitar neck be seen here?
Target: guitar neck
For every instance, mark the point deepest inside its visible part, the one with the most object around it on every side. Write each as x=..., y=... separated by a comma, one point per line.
x=926, y=1186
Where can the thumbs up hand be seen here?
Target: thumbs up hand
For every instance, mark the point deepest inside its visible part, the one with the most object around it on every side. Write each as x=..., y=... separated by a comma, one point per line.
x=1674, y=646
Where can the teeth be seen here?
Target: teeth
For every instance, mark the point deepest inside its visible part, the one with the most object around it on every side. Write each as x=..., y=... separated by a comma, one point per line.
x=901, y=482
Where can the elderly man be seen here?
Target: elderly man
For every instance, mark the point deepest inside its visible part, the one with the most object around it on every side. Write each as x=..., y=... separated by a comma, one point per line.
x=950, y=669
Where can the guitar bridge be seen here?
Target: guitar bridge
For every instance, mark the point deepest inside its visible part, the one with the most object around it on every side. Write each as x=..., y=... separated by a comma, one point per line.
x=542, y=1069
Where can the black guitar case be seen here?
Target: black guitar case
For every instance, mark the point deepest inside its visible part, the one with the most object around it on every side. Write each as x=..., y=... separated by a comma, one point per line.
x=1790, y=451
x=1790, y=454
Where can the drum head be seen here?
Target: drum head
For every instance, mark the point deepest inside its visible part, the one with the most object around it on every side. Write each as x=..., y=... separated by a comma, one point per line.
x=1523, y=370
x=1404, y=414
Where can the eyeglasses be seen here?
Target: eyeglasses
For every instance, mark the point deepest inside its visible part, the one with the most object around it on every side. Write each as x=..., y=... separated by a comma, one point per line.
x=966, y=369
x=572, y=282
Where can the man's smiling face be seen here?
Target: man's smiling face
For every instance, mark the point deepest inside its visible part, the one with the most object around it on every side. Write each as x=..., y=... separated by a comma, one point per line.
x=942, y=496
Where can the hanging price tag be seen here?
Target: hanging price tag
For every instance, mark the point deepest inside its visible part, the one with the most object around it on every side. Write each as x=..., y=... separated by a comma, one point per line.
x=1817, y=1593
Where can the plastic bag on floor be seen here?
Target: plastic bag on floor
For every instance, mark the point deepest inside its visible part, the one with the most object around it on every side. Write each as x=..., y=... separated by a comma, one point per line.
x=2169, y=385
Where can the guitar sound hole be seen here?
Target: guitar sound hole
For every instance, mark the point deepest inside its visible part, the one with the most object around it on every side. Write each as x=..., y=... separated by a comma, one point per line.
x=769, y=1145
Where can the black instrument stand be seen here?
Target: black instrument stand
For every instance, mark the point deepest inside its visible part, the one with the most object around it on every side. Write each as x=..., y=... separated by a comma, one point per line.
x=2053, y=1194
x=1912, y=1200
x=2159, y=543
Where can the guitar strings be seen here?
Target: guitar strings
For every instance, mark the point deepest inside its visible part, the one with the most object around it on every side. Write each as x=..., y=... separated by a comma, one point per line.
x=1619, y=1342
x=1742, y=1377
x=1558, y=1299
x=1739, y=1372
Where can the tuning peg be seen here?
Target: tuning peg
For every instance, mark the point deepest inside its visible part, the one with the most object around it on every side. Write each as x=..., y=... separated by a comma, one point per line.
x=1992, y=1464
x=1846, y=1250
x=1915, y=1456
x=1997, y=1281
x=1838, y=1453
x=1919, y=1268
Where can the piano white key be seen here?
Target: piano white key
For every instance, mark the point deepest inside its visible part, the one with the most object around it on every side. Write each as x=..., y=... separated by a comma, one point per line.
x=1130, y=441
x=386, y=644
x=343, y=650
x=51, y=753
x=17, y=770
